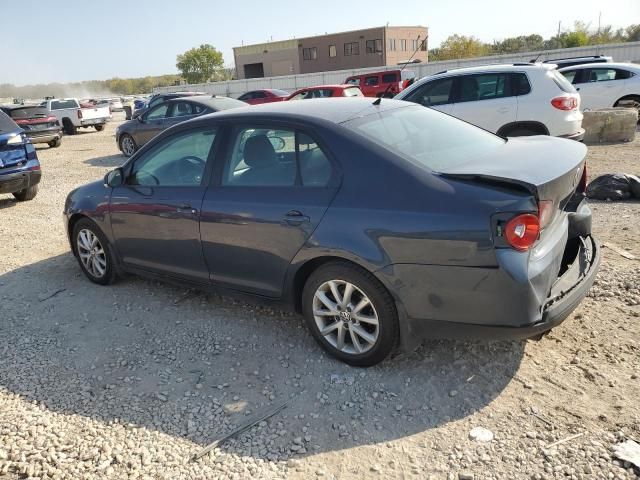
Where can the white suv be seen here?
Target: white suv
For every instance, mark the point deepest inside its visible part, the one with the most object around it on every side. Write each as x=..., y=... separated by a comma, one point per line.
x=510, y=100
x=603, y=85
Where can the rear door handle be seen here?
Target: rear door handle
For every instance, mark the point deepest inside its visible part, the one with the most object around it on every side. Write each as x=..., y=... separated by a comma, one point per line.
x=295, y=218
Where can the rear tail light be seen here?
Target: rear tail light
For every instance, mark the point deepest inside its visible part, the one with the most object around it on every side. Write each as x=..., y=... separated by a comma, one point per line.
x=545, y=212
x=582, y=184
x=521, y=232
x=79, y=113
x=565, y=103
x=51, y=119
x=35, y=167
x=22, y=121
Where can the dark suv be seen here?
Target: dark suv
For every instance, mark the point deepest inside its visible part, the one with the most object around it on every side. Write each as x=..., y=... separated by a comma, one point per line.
x=19, y=166
x=37, y=124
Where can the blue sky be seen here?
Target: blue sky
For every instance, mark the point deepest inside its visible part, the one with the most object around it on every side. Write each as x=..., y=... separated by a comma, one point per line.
x=75, y=40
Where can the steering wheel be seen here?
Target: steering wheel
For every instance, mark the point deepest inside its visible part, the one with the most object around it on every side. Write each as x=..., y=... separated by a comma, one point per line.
x=194, y=167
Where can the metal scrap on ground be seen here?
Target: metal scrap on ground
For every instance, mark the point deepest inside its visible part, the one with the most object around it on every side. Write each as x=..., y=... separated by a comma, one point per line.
x=628, y=451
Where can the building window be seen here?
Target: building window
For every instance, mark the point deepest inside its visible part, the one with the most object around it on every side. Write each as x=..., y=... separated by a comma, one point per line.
x=374, y=46
x=352, y=48
x=332, y=51
x=392, y=44
x=414, y=45
x=310, y=53
x=403, y=45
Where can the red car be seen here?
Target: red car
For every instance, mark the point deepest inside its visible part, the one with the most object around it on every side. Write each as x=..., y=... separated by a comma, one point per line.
x=325, y=91
x=388, y=83
x=256, y=97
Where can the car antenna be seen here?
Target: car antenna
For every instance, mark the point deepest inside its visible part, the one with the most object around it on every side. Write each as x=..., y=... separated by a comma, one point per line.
x=379, y=99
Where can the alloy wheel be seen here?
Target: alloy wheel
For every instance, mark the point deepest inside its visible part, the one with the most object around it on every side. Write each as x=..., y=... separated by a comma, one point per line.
x=345, y=317
x=91, y=253
x=128, y=147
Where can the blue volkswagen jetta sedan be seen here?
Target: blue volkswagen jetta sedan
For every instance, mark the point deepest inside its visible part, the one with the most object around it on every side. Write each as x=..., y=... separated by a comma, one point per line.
x=19, y=167
x=382, y=222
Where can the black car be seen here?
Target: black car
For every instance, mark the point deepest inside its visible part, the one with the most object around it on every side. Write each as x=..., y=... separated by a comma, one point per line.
x=163, y=97
x=133, y=134
x=37, y=124
x=19, y=165
x=380, y=221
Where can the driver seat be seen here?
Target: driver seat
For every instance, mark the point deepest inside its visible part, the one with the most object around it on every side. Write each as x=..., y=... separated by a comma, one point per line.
x=264, y=169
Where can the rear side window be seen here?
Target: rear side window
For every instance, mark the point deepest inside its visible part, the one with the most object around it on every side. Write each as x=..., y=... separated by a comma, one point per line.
x=389, y=78
x=28, y=112
x=483, y=87
x=352, y=92
x=520, y=84
x=62, y=104
x=437, y=92
x=562, y=83
x=259, y=95
x=426, y=137
x=570, y=75
x=315, y=168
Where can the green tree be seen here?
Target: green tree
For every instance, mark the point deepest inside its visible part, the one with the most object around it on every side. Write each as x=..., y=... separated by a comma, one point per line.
x=523, y=43
x=199, y=64
x=632, y=33
x=460, y=46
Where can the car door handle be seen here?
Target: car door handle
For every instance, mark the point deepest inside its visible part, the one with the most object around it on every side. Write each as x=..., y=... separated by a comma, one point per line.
x=186, y=208
x=296, y=217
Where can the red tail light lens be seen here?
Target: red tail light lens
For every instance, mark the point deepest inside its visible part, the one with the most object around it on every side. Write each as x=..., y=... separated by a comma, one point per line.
x=79, y=113
x=521, y=232
x=51, y=119
x=21, y=121
x=565, y=103
x=545, y=212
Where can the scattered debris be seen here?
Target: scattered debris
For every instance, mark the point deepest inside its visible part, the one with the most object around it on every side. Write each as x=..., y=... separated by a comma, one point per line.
x=564, y=440
x=481, y=434
x=47, y=296
x=619, y=250
x=614, y=186
x=340, y=379
x=628, y=451
x=542, y=419
x=245, y=426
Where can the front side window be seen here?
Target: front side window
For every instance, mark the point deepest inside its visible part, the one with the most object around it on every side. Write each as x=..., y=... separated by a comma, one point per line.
x=482, y=87
x=426, y=137
x=264, y=157
x=437, y=92
x=177, y=161
x=389, y=78
x=158, y=112
x=352, y=48
x=332, y=51
x=353, y=81
x=371, y=81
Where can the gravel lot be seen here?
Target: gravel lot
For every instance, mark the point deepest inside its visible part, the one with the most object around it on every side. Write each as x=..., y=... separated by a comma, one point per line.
x=129, y=381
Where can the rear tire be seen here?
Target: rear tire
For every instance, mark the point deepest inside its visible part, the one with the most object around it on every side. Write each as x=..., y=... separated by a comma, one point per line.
x=364, y=329
x=93, y=252
x=26, y=194
x=69, y=127
x=55, y=143
x=99, y=128
x=632, y=101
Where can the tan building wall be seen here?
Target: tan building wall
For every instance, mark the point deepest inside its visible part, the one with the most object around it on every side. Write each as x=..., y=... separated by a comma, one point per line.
x=371, y=47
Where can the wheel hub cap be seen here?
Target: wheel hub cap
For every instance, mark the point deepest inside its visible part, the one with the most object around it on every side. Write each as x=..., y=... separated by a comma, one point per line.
x=91, y=253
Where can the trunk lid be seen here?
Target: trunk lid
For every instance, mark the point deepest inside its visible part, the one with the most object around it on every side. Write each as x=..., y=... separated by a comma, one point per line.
x=549, y=168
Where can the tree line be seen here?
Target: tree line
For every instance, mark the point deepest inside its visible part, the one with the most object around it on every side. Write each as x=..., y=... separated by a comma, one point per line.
x=461, y=46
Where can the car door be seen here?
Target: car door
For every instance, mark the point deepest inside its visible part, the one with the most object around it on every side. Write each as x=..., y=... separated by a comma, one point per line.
x=151, y=123
x=155, y=214
x=485, y=100
x=436, y=94
x=370, y=86
x=600, y=87
x=273, y=189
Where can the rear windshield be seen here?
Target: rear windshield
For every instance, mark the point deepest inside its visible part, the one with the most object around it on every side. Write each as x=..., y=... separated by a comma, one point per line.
x=562, y=82
x=6, y=124
x=28, y=112
x=62, y=104
x=280, y=93
x=426, y=137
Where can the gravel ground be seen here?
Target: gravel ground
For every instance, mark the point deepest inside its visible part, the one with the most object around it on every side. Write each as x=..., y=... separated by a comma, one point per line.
x=131, y=380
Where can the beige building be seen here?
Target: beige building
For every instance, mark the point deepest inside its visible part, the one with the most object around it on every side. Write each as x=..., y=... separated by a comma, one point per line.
x=371, y=47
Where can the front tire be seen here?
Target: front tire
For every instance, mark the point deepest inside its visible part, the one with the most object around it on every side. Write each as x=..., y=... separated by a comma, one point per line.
x=94, y=252
x=128, y=145
x=99, y=128
x=55, y=143
x=26, y=194
x=69, y=127
x=350, y=313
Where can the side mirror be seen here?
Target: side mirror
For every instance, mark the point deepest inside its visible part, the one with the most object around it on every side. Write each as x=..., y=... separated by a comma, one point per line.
x=139, y=118
x=114, y=178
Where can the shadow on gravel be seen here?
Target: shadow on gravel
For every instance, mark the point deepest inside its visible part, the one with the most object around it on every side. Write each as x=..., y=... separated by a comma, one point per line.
x=195, y=365
x=107, y=161
x=7, y=202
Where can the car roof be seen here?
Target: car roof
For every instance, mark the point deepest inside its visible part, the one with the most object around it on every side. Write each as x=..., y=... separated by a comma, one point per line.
x=498, y=67
x=337, y=86
x=214, y=102
x=632, y=66
x=334, y=110
x=371, y=74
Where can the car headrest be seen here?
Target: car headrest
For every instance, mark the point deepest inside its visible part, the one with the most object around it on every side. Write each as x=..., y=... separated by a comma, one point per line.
x=259, y=152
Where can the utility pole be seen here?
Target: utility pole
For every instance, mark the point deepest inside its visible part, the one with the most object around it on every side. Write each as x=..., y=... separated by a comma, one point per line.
x=558, y=35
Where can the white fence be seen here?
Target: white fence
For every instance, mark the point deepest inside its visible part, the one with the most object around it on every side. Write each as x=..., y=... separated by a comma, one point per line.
x=621, y=52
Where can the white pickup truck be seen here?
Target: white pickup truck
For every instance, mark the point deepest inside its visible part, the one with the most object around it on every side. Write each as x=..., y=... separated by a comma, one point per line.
x=72, y=116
